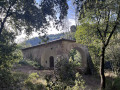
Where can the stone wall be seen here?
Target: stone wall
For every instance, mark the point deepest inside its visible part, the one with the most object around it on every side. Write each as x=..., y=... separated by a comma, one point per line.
x=62, y=47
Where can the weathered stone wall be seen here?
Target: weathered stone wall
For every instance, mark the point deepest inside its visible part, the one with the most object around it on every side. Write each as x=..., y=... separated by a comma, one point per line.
x=42, y=53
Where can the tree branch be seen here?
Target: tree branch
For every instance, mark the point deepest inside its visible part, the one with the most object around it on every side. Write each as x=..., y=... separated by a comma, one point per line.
x=4, y=20
x=114, y=28
x=100, y=31
x=105, y=32
x=7, y=15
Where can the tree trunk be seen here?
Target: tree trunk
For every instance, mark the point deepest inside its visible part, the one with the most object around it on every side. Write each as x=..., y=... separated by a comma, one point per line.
x=102, y=68
x=0, y=31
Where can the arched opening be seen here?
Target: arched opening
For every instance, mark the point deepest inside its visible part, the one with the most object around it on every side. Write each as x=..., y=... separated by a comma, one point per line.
x=51, y=59
x=75, y=56
x=80, y=57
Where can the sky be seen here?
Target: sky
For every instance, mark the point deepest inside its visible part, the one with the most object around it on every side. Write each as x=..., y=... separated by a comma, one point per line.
x=69, y=22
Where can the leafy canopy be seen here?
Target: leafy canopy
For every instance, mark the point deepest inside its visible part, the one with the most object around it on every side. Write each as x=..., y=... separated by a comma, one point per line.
x=27, y=15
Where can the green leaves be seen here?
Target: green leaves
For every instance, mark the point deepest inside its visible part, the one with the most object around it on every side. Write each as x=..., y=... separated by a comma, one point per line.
x=86, y=34
x=29, y=16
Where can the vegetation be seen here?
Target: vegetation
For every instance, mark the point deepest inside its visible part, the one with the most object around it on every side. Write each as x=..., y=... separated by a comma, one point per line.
x=113, y=83
x=9, y=54
x=31, y=63
x=30, y=82
x=37, y=40
x=98, y=27
x=101, y=20
x=23, y=15
x=60, y=71
x=70, y=80
x=16, y=16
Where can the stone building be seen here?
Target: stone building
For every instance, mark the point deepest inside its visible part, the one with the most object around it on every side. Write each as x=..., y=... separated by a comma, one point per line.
x=47, y=54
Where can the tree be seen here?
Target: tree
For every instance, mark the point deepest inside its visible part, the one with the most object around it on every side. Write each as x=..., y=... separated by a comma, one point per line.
x=9, y=54
x=104, y=20
x=19, y=15
x=44, y=39
x=73, y=28
x=28, y=15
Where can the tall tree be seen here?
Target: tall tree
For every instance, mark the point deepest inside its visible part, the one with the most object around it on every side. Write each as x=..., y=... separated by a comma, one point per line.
x=104, y=19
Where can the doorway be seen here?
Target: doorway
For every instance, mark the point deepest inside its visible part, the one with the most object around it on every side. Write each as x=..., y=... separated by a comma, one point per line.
x=51, y=61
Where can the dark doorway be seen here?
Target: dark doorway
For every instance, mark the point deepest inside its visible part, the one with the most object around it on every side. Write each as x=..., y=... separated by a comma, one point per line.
x=51, y=61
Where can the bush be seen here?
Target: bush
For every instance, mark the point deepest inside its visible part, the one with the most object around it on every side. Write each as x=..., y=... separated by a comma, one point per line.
x=38, y=86
x=54, y=85
x=11, y=81
x=6, y=80
x=27, y=62
x=30, y=83
x=65, y=71
x=113, y=83
x=66, y=77
x=79, y=83
x=58, y=85
x=19, y=78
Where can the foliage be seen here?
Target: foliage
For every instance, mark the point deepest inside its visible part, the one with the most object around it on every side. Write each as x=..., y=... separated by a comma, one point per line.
x=58, y=85
x=31, y=84
x=54, y=85
x=75, y=57
x=8, y=56
x=113, y=54
x=73, y=28
x=19, y=78
x=26, y=15
x=44, y=39
x=86, y=34
x=12, y=80
x=113, y=83
x=60, y=71
x=35, y=41
x=32, y=63
x=79, y=83
x=72, y=53
x=99, y=21
x=70, y=34
x=24, y=45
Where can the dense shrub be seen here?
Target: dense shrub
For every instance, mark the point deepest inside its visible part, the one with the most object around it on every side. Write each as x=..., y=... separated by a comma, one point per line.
x=9, y=54
x=65, y=71
x=79, y=83
x=66, y=77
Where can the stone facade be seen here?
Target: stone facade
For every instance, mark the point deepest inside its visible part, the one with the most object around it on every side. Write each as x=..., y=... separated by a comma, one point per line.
x=47, y=54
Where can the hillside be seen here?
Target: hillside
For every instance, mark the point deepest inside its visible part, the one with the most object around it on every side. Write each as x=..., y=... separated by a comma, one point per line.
x=37, y=40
